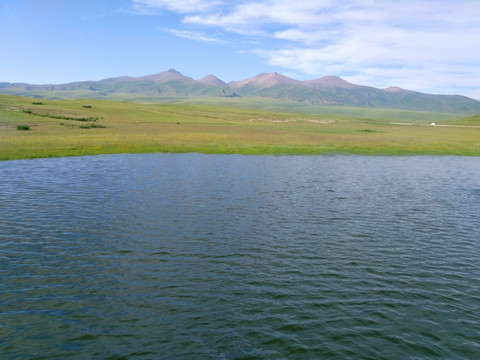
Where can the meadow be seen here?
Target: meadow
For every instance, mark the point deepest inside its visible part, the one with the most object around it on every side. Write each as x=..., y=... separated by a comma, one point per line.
x=36, y=128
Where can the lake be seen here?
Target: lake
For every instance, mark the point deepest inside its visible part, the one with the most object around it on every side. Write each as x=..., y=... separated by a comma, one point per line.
x=190, y=256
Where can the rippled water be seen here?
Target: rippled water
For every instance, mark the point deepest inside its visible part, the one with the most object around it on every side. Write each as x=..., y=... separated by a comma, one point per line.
x=240, y=257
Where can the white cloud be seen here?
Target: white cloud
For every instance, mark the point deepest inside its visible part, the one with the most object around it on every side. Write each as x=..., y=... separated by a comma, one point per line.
x=306, y=37
x=266, y=12
x=181, y=6
x=192, y=35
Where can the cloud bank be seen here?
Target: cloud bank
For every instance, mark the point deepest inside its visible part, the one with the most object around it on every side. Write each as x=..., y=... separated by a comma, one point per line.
x=424, y=45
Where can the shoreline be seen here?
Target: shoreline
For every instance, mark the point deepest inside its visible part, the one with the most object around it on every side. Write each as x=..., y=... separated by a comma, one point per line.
x=248, y=152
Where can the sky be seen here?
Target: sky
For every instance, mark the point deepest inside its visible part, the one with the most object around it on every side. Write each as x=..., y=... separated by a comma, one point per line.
x=429, y=46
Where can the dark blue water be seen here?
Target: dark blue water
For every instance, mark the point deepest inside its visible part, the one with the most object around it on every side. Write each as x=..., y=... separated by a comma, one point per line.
x=240, y=257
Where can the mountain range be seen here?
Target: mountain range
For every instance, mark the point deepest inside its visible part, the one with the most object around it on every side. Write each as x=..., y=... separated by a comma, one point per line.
x=328, y=90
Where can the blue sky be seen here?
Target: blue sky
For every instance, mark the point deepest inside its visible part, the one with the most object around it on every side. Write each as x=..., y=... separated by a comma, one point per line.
x=422, y=45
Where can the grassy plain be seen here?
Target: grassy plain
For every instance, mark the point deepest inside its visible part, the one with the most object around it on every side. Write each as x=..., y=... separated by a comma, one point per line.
x=88, y=127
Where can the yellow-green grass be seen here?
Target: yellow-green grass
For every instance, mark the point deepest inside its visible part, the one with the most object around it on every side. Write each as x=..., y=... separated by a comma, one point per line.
x=55, y=130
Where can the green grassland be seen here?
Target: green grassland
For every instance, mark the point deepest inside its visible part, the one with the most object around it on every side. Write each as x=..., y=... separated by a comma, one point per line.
x=33, y=128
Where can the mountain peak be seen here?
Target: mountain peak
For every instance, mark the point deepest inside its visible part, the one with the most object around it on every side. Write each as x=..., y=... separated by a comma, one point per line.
x=168, y=75
x=395, y=89
x=331, y=81
x=212, y=80
x=264, y=80
x=173, y=71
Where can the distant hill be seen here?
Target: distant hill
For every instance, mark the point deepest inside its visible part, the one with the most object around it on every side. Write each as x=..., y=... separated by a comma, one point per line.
x=212, y=80
x=328, y=90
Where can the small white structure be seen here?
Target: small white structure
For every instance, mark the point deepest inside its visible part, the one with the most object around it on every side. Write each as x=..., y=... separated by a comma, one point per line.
x=432, y=124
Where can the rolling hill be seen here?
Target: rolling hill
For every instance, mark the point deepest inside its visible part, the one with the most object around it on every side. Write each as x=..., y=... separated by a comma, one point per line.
x=172, y=85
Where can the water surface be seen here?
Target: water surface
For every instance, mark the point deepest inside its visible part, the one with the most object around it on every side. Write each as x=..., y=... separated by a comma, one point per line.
x=189, y=256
